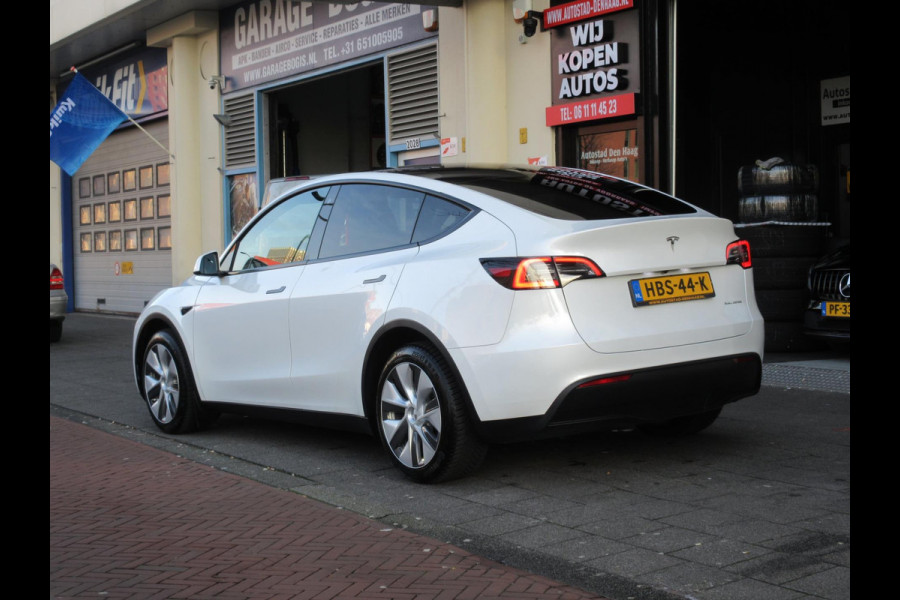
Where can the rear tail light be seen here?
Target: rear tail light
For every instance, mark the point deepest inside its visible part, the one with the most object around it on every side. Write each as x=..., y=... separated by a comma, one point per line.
x=56, y=279
x=542, y=272
x=738, y=253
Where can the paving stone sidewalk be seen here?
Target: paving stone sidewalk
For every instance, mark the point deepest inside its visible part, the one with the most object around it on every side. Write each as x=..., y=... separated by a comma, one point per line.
x=131, y=521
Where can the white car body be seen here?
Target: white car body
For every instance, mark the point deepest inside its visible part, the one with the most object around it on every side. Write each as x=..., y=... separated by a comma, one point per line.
x=313, y=336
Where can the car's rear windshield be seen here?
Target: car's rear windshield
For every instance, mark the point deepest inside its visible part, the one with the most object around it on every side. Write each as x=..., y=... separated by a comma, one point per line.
x=568, y=194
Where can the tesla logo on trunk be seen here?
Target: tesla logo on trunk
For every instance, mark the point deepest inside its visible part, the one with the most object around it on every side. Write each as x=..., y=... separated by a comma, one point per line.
x=844, y=286
x=672, y=239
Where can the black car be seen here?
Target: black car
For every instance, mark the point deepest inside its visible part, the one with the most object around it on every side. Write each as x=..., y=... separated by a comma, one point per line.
x=828, y=315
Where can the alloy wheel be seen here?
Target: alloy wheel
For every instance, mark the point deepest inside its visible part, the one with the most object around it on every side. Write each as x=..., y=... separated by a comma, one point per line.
x=161, y=383
x=410, y=415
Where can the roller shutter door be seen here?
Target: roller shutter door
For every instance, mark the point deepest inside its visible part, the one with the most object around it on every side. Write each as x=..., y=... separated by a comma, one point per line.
x=122, y=222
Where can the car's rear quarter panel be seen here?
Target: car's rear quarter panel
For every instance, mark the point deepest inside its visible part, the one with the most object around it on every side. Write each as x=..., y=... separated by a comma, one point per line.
x=445, y=288
x=591, y=328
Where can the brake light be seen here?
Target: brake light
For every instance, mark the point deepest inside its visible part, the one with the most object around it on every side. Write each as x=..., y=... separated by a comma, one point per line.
x=56, y=279
x=738, y=253
x=542, y=272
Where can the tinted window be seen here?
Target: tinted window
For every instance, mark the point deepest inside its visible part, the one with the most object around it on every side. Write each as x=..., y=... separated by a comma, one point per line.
x=281, y=236
x=366, y=218
x=437, y=216
x=567, y=193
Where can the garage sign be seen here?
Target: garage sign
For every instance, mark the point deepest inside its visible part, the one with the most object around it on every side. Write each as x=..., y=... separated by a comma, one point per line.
x=595, y=61
x=266, y=40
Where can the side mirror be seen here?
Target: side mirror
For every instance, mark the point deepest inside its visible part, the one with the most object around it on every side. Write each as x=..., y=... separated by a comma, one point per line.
x=208, y=265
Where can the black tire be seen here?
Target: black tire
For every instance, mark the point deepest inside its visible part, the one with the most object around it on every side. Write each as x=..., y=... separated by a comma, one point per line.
x=55, y=331
x=168, y=387
x=782, y=305
x=687, y=425
x=421, y=417
x=780, y=179
x=788, y=336
x=786, y=273
x=777, y=241
x=795, y=208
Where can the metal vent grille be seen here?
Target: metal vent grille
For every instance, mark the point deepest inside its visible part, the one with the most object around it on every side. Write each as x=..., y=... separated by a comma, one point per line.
x=240, y=146
x=413, y=95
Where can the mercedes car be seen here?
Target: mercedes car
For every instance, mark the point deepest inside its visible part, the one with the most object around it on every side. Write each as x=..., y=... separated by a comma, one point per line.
x=827, y=316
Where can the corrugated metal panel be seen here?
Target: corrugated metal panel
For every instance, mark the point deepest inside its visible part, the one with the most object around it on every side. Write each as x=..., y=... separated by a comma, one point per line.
x=101, y=271
x=240, y=141
x=413, y=95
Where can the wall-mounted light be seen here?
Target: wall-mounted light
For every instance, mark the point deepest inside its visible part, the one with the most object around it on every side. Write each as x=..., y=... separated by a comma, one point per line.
x=224, y=120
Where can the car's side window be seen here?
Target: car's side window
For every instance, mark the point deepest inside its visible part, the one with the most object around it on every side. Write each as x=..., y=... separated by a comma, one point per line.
x=367, y=218
x=282, y=235
x=438, y=216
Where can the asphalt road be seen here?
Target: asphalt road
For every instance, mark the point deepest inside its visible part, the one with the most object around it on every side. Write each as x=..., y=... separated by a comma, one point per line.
x=758, y=506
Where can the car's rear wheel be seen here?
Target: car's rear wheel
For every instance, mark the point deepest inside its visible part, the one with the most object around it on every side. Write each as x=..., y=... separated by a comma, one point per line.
x=686, y=425
x=422, y=420
x=168, y=387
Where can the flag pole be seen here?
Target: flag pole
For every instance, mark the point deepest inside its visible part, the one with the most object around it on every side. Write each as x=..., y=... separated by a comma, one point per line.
x=136, y=124
x=158, y=143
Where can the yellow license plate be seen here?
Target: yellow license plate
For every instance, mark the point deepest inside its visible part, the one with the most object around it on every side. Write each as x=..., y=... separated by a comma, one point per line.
x=840, y=310
x=671, y=288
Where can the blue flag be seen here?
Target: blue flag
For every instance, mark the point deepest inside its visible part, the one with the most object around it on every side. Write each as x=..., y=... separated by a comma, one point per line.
x=80, y=122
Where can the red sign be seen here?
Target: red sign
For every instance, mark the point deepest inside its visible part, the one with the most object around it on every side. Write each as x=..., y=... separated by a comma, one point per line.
x=590, y=110
x=582, y=9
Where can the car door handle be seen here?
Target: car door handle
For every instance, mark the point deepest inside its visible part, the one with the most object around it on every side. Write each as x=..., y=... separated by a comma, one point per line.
x=375, y=280
x=276, y=291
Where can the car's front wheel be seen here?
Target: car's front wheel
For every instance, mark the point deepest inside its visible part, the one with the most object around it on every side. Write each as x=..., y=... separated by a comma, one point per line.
x=168, y=386
x=422, y=421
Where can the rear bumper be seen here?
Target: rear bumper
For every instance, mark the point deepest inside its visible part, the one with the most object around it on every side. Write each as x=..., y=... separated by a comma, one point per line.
x=817, y=326
x=58, y=307
x=642, y=396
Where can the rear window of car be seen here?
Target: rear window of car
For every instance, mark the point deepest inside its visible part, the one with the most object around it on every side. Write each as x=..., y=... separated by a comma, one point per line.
x=369, y=218
x=570, y=194
x=437, y=217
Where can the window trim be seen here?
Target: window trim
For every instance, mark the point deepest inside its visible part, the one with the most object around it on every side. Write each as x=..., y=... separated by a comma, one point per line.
x=226, y=262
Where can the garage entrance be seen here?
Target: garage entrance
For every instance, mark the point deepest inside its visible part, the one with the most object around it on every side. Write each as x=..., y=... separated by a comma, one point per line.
x=331, y=124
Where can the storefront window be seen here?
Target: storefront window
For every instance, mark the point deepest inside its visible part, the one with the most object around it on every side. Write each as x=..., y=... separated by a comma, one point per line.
x=615, y=153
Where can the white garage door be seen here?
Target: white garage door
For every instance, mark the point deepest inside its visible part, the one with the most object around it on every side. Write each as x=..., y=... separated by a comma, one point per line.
x=122, y=222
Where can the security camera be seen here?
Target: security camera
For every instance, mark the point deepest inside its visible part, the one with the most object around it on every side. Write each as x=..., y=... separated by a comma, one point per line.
x=531, y=21
x=216, y=81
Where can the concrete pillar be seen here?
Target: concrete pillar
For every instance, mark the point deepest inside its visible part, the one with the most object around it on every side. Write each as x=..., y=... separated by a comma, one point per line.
x=486, y=63
x=194, y=137
x=494, y=84
x=55, y=201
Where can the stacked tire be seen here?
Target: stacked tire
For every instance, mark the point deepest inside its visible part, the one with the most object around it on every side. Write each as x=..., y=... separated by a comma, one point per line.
x=782, y=192
x=778, y=212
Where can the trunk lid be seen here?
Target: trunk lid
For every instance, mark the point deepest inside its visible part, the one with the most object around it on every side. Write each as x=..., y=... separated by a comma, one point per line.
x=686, y=294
